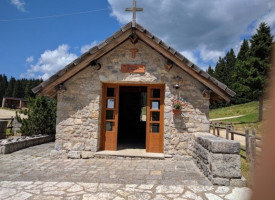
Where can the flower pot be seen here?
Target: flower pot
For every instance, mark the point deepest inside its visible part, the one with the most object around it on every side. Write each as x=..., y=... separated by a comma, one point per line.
x=176, y=111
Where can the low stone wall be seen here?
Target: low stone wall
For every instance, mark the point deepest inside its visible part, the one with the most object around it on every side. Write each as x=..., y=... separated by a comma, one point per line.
x=14, y=144
x=218, y=159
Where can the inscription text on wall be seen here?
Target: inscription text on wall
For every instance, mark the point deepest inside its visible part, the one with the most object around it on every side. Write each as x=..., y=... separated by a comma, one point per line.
x=134, y=68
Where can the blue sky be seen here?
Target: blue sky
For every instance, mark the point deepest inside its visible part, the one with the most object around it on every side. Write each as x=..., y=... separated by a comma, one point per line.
x=34, y=42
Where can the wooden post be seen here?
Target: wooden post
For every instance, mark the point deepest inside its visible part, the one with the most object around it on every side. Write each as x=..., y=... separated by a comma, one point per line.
x=227, y=132
x=11, y=126
x=254, y=132
x=247, y=148
x=20, y=104
x=214, y=128
x=218, y=131
x=3, y=102
x=232, y=134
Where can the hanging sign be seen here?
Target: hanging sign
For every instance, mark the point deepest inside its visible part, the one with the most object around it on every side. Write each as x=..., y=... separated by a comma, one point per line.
x=135, y=69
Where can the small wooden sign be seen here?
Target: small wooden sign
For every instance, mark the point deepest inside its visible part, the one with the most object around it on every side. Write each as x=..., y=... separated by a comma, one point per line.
x=135, y=69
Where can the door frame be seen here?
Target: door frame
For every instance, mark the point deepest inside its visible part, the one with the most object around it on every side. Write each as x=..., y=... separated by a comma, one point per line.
x=103, y=113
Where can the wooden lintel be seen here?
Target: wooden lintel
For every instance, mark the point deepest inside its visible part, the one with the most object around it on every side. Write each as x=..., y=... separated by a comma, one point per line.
x=179, y=63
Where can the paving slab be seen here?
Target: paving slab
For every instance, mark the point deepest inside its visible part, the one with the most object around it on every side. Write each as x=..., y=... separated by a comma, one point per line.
x=32, y=174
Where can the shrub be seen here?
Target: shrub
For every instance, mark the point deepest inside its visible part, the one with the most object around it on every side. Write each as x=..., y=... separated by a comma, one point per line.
x=41, y=117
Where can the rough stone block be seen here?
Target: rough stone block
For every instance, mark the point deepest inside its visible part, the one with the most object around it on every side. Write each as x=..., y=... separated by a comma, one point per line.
x=202, y=152
x=225, y=165
x=78, y=147
x=67, y=146
x=78, y=121
x=218, y=145
x=56, y=154
x=220, y=181
x=74, y=154
x=238, y=182
x=58, y=145
x=87, y=154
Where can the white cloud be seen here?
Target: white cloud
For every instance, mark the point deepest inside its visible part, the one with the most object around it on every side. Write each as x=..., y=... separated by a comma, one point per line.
x=19, y=4
x=29, y=59
x=86, y=47
x=210, y=55
x=209, y=27
x=50, y=62
x=190, y=56
x=268, y=18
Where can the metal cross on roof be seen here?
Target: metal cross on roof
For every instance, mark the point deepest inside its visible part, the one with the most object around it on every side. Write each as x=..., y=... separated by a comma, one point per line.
x=134, y=9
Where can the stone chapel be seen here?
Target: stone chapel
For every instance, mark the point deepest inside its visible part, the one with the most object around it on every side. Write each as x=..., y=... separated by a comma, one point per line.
x=119, y=95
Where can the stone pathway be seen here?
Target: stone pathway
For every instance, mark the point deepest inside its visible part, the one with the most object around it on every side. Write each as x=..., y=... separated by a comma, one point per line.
x=32, y=174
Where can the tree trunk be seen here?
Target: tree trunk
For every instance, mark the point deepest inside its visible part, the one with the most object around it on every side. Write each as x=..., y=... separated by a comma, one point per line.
x=261, y=107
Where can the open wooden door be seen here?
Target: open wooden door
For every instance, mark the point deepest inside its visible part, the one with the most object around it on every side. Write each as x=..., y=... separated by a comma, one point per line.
x=109, y=117
x=155, y=119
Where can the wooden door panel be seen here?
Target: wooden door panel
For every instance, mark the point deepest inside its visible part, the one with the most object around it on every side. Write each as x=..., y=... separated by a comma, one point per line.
x=109, y=117
x=155, y=119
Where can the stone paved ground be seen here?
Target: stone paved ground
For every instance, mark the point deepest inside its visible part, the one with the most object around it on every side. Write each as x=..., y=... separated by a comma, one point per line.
x=32, y=174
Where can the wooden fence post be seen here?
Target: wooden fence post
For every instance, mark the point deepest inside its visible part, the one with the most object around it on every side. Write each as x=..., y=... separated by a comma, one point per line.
x=232, y=134
x=227, y=132
x=218, y=130
x=214, y=128
x=247, y=148
x=254, y=132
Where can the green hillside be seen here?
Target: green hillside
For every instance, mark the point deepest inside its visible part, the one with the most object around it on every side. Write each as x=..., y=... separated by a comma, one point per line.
x=248, y=110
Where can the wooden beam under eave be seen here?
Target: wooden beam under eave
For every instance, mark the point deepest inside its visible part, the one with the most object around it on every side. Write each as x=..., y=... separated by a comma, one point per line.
x=85, y=63
x=179, y=63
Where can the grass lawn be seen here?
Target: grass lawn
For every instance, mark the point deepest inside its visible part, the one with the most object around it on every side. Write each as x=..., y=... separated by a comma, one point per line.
x=242, y=109
x=248, y=121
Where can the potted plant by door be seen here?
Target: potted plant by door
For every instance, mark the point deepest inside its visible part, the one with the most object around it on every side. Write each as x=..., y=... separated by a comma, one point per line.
x=177, y=105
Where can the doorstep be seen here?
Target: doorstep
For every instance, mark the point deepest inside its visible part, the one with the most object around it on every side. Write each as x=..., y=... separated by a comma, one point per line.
x=134, y=153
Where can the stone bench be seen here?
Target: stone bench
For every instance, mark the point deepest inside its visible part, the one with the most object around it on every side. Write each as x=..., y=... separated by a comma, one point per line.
x=218, y=159
x=15, y=144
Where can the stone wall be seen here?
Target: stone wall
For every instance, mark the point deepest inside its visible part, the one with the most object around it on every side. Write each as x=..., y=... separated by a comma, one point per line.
x=14, y=144
x=218, y=159
x=78, y=108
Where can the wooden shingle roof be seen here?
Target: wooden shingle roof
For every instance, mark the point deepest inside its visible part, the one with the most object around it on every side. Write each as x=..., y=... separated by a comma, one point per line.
x=47, y=87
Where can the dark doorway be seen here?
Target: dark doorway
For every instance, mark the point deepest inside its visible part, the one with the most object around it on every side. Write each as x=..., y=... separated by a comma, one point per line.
x=132, y=117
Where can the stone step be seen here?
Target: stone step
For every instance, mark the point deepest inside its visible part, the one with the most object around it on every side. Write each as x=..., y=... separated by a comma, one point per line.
x=129, y=154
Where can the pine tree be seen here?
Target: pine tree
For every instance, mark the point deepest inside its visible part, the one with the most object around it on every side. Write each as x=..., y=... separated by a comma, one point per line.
x=3, y=86
x=219, y=70
x=10, y=88
x=230, y=61
x=244, y=51
x=261, y=44
x=18, y=90
x=210, y=71
x=41, y=117
x=240, y=75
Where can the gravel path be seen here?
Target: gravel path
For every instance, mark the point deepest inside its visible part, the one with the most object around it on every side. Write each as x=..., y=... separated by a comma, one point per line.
x=223, y=118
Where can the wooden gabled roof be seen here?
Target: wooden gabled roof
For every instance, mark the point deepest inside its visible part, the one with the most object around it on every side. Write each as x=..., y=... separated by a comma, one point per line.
x=47, y=87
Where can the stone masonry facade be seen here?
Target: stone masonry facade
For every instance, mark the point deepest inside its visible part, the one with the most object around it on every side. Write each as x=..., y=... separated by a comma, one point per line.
x=79, y=107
